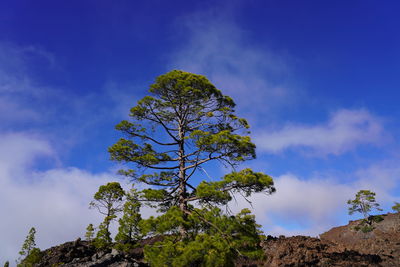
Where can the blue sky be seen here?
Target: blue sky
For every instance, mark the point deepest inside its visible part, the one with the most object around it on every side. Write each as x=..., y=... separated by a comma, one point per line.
x=317, y=80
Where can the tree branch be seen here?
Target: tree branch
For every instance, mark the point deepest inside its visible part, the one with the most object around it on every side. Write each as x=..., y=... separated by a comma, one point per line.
x=162, y=124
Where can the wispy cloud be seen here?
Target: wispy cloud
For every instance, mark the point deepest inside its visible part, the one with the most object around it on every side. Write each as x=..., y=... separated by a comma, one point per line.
x=214, y=46
x=26, y=105
x=345, y=130
x=17, y=92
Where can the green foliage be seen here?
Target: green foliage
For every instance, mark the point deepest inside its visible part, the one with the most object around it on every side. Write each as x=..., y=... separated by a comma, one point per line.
x=363, y=203
x=367, y=228
x=245, y=181
x=108, y=201
x=396, y=207
x=29, y=243
x=367, y=225
x=129, y=231
x=108, y=198
x=364, y=227
x=214, y=239
x=184, y=125
x=89, y=232
x=32, y=258
x=29, y=251
x=195, y=124
x=103, y=237
x=7, y=264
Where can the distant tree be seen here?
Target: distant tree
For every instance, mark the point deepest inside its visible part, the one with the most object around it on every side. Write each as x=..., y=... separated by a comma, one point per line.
x=108, y=200
x=184, y=125
x=396, y=207
x=6, y=264
x=32, y=258
x=103, y=237
x=29, y=254
x=29, y=243
x=363, y=203
x=89, y=232
x=129, y=231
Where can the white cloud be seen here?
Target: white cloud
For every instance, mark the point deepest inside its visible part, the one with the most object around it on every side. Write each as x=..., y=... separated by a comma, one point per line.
x=345, y=130
x=312, y=206
x=55, y=201
x=383, y=179
x=254, y=77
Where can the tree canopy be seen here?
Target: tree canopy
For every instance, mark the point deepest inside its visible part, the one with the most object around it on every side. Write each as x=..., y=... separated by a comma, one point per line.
x=363, y=203
x=108, y=201
x=396, y=207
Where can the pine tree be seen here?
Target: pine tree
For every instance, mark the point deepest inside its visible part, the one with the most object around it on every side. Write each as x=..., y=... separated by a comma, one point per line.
x=108, y=201
x=29, y=243
x=185, y=125
x=29, y=250
x=218, y=245
x=89, y=232
x=129, y=231
x=103, y=237
x=363, y=203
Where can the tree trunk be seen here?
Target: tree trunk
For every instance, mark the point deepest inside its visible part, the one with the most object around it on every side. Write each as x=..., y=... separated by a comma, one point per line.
x=182, y=181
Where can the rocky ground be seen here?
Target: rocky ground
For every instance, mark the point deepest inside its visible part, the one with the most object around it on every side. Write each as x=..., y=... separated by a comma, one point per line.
x=340, y=246
x=384, y=240
x=308, y=251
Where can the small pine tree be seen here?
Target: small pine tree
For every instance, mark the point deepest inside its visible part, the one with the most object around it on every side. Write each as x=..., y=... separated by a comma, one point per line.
x=363, y=203
x=7, y=264
x=29, y=243
x=29, y=251
x=103, y=238
x=396, y=207
x=89, y=232
x=108, y=201
x=34, y=257
x=217, y=239
x=129, y=231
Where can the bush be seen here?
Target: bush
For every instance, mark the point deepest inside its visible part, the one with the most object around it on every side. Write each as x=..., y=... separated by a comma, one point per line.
x=33, y=257
x=376, y=218
x=366, y=225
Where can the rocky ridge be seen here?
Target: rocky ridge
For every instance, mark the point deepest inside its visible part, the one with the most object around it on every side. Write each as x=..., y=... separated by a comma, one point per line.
x=340, y=246
x=383, y=240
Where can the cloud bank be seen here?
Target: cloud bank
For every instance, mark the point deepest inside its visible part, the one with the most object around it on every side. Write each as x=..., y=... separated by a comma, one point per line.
x=312, y=205
x=55, y=201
